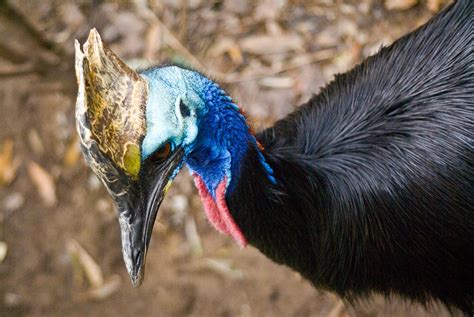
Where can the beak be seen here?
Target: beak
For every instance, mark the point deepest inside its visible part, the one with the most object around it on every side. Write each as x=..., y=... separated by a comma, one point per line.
x=138, y=210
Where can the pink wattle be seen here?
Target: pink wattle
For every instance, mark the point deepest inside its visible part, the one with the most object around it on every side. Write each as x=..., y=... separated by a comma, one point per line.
x=210, y=206
x=217, y=211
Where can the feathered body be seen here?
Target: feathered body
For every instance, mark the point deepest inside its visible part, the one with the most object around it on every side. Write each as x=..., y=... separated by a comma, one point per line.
x=375, y=174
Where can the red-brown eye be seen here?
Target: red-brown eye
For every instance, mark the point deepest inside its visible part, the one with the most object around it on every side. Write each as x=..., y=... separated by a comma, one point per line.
x=162, y=153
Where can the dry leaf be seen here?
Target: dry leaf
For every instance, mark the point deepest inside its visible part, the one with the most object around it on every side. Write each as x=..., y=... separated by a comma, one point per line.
x=224, y=267
x=13, y=202
x=192, y=235
x=269, y=9
x=71, y=15
x=106, y=289
x=35, y=141
x=399, y=4
x=235, y=55
x=221, y=46
x=73, y=153
x=241, y=7
x=12, y=299
x=8, y=165
x=338, y=310
x=227, y=45
x=277, y=82
x=44, y=183
x=153, y=41
x=435, y=5
x=266, y=44
x=3, y=251
x=90, y=268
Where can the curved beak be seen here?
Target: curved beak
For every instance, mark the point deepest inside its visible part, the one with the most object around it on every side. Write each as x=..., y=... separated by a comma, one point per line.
x=138, y=210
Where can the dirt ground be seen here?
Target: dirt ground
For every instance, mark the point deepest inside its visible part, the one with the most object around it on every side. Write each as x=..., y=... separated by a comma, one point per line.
x=270, y=54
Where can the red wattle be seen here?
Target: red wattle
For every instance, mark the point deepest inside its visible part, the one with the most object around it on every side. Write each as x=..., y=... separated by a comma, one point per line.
x=232, y=227
x=210, y=206
x=217, y=211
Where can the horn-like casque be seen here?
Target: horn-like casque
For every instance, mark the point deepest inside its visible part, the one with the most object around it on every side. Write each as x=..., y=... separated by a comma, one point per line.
x=110, y=109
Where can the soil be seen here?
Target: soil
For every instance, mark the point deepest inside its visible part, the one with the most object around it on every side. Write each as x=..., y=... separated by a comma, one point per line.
x=187, y=273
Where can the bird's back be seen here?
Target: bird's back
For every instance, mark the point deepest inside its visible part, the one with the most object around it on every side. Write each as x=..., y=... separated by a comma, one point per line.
x=389, y=149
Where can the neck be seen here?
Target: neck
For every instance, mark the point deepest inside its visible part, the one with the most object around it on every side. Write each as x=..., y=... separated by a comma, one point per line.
x=239, y=188
x=223, y=141
x=271, y=218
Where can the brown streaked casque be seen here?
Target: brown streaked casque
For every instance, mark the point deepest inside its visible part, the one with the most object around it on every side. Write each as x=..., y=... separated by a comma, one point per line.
x=112, y=101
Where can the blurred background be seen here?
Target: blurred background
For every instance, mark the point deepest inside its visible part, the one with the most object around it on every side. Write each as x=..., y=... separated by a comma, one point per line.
x=59, y=237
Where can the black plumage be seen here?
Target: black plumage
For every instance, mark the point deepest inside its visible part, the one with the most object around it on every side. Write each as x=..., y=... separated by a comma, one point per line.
x=375, y=174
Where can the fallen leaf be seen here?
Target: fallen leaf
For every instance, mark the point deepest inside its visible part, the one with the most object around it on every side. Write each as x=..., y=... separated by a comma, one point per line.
x=435, y=5
x=13, y=202
x=271, y=44
x=8, y=164
x=399, y=4
x=220, y=47
x=153, y=41
x=44, y=183
x=73, y=153
x=328, y=37
x=269, y=9
x=12, y=299
x=277, y=82
x=229, y=47
x=89, y=267
x=240, y=7
x=35, y=141
x=235, y=55
x=192, y=236
x=179, y=204
x=106, y=289
x=223, y=267
x=3, y=251
x=338, y=310
x=72, y=15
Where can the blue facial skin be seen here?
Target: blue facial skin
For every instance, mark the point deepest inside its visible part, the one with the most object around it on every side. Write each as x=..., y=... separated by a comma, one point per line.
x=213, y=133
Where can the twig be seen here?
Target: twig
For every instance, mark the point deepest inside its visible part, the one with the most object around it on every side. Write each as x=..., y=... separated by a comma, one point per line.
x=316, y=57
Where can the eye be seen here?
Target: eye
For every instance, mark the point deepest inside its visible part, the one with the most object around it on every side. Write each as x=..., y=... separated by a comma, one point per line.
x=162, y=153
x=183, y=108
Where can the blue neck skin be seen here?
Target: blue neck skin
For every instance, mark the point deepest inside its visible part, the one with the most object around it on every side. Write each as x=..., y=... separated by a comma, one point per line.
x=222, y=141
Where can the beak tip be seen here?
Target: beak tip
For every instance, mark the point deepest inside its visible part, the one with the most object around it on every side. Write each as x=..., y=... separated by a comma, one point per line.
x=136, y=268
x=137, y=279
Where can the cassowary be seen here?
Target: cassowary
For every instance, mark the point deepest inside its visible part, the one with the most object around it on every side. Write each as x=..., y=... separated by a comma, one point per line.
x=366, y=188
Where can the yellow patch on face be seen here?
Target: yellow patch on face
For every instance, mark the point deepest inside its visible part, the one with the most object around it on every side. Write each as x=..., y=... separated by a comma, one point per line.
x=132, y=159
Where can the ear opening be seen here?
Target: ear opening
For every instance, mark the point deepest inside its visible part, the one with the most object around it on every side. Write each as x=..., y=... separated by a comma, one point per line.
x=184, y=109
x=177, y=111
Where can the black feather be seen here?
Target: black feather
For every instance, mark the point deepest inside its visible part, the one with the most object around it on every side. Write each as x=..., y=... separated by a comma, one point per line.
x=376, y=174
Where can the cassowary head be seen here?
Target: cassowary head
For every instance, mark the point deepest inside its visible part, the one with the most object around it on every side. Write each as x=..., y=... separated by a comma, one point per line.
x=138, y=129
